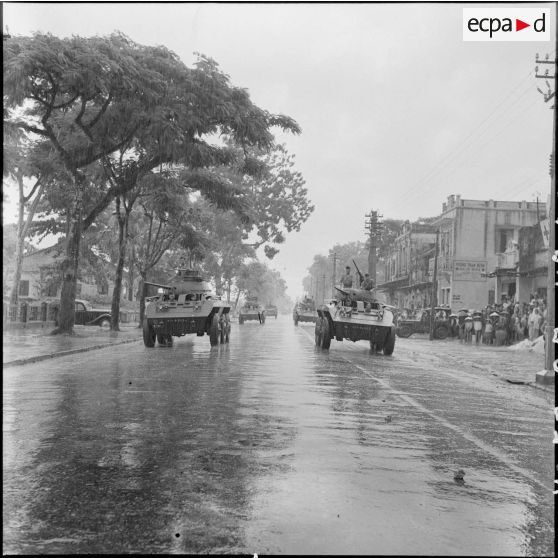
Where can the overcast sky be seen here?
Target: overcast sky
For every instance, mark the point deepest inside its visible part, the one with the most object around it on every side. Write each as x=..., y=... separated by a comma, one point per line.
x=397, y=111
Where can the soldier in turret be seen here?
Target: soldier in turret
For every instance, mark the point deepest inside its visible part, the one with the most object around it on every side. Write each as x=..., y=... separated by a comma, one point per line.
x=367, y=283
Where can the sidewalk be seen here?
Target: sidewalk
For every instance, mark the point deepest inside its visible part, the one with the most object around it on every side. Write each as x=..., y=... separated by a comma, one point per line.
x=31, y=345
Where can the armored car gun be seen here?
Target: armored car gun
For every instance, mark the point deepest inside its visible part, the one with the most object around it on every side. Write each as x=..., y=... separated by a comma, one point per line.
x=251, y=310
x=185, y=305
x=356, y=315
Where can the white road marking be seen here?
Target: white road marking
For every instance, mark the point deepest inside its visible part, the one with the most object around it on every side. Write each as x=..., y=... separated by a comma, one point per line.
x=467, y=435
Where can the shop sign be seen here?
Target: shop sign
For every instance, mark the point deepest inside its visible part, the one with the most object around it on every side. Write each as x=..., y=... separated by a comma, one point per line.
x=468, y=270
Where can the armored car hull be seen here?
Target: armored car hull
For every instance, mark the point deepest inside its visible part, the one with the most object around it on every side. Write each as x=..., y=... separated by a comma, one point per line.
x=369, y=321
x=185, y=307
x=304, y=316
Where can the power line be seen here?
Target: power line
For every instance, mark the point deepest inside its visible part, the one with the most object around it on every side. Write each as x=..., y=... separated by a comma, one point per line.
x=456, y=164
x=475, y=130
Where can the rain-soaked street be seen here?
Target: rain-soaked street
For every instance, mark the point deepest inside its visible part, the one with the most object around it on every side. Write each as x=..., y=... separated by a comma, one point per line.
x=270, y=445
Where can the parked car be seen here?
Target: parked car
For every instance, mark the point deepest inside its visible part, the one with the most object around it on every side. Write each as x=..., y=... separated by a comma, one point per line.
x=421, y=323
x=85, y=314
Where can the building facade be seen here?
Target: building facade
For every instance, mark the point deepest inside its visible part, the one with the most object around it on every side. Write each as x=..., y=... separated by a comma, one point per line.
x=407, y=283
x=477, y=252
x=41, y=276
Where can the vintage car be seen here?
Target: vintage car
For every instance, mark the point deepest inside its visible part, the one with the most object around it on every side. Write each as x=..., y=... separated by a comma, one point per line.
x=421, y=323
x=251, y=310
x=271, y=310
x=356, y=315
x=85, y=314
x=185, y=306
x=304, y=311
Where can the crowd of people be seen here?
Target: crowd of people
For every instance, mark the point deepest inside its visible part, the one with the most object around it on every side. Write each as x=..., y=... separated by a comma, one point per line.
x=501, y=324
x=506, y=323
x=513, y=321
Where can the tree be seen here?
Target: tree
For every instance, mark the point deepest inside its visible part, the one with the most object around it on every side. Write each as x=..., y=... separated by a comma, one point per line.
x=256, y=279
x=90, y=97
x=279, y=201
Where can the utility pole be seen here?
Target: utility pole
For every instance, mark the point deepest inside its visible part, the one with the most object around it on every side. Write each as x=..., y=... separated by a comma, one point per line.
x=548, y=374
x=323, y=288
x=374, y=226
x=434, y=287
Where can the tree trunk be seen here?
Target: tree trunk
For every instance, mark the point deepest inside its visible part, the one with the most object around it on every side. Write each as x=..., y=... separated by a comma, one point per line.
x=131, y=280
x=70, y=264
x=14, y=297
x=218, y=284
x=117, y=291
x=22, y=228
x=143, y=276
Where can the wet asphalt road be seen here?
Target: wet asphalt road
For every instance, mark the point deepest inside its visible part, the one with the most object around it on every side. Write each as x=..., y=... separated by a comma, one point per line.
x=270, y=445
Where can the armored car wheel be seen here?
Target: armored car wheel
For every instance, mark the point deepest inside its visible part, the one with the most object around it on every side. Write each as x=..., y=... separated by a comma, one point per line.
x=326, y=338
x=226, y=330
x=148, y=334
x=389, y=344
x=441, y=332
x=318, y=332
x=222, y=330
x=214, y=331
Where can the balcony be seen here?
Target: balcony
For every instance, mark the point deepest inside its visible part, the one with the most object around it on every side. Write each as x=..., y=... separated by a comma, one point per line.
x=508, y=260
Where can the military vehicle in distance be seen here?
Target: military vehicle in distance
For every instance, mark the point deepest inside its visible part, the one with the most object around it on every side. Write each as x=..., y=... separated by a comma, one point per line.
x=252, y=310
x=354, y=314
x=304, y=311
x=185, y=305
x=421, y=323
x=271, y=310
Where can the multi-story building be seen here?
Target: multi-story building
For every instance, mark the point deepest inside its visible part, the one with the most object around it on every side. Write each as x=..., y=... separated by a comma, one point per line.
x=522, y=270
x=476, y=238
x=407, y=283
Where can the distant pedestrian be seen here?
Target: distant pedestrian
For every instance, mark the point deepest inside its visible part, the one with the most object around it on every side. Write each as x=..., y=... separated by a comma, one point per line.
x=535, y=321
x=488, y=332
x=500, y=332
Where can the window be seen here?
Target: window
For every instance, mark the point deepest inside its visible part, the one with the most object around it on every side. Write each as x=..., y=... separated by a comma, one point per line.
x=24, y=288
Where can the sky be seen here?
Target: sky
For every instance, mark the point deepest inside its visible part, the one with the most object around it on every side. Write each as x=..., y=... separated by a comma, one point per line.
x=397, y=111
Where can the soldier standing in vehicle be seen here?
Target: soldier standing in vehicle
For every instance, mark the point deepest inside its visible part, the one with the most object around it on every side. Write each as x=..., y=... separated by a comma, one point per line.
x=347, y=279
x=367, y=283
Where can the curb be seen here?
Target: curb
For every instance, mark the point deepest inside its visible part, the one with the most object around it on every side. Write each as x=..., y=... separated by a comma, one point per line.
x=38, y=358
